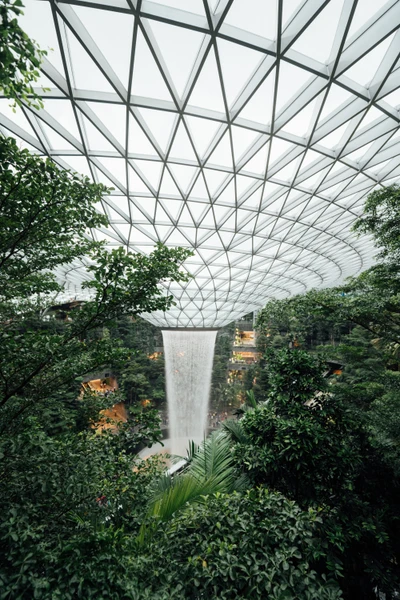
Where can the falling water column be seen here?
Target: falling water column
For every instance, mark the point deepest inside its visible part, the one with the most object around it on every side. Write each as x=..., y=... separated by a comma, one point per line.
x=189, y=357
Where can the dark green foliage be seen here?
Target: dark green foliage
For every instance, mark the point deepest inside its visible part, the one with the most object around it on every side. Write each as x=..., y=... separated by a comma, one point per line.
x=296, y=441
x=364, y=366
x=381, y=218
x=20, y=57
x=44, y=216
x=221, y=394
x=304, y=442
x=57, y=539
x=256, y=545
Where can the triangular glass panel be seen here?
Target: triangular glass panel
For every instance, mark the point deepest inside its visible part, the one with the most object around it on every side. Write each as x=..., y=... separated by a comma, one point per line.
x=117, y=168
x=214, y=241
x=303, y=122
x=242, y=140
x=220, y=213
x=207, y=221
x=182, y=147
x=139, y=237
x=230, y=223
x=258, y=163
x=37, y=21
x=161, y=215
x=288, y=172
x=274, y=206
x=279, y=148
x=256, y=16
x=85, y=74
x=180, y=56
x=332, y=140
x=238, y=64
x=365, y=10
x=291, y=80
x=121, y=207
x=113, y=117
x=334, y=98
x=102, y=178
x=202, y=132
x=172, y=207
x=393, y=99
x=243, y=183
x=168, y=185
x=53, y=140
x=253, y=201
x=271, y=190
x=317, y=40
x=147, y=205
x=199, y=189
x=259, y=107
x=371, y=115
x=79, y=164
x=183, y=175
x=214, y=179
x=228, y=195
x=62, y=112
x=138, y=143
x=163, y=231
x=197, y=210
x=222, y=155
x=186, y=218
x=207, y=91
x=136, y=185
x=151, y=170
x=94, y=139
x=364, y=70
x=160, y=123
x=226, y=237
x=112, y=32
x=147, y=79
x=150, y=231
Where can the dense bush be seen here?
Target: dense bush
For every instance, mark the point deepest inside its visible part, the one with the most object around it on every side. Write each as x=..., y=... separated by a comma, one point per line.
x=255, y=545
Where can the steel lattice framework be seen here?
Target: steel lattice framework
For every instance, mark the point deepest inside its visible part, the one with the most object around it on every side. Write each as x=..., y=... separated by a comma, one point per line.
x=249, y=130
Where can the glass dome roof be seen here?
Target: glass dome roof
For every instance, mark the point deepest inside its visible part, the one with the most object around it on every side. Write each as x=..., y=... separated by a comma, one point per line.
x=249, y=130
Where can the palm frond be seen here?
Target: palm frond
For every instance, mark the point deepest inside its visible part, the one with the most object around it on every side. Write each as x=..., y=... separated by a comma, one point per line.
x=235, y=430
x=214, y=459
x=251, y=399
x=184, y=489
x=212, y=469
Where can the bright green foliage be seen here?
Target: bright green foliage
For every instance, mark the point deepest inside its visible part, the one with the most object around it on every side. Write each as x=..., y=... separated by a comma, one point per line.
x=57, y=540
x=231, y=547
x=212, y=469
x=294, y=376
x=296, y=441
x=45, y=213
x=20, y=57
x=303, y=442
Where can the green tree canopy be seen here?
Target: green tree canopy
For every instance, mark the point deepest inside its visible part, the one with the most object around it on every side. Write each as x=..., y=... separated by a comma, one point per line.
x=20, y=57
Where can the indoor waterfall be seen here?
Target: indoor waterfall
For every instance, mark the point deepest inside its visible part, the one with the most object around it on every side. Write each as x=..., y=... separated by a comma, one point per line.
x=189, y=357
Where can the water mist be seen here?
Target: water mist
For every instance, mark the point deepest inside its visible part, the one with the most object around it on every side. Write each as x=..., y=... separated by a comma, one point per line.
x=188, y=365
